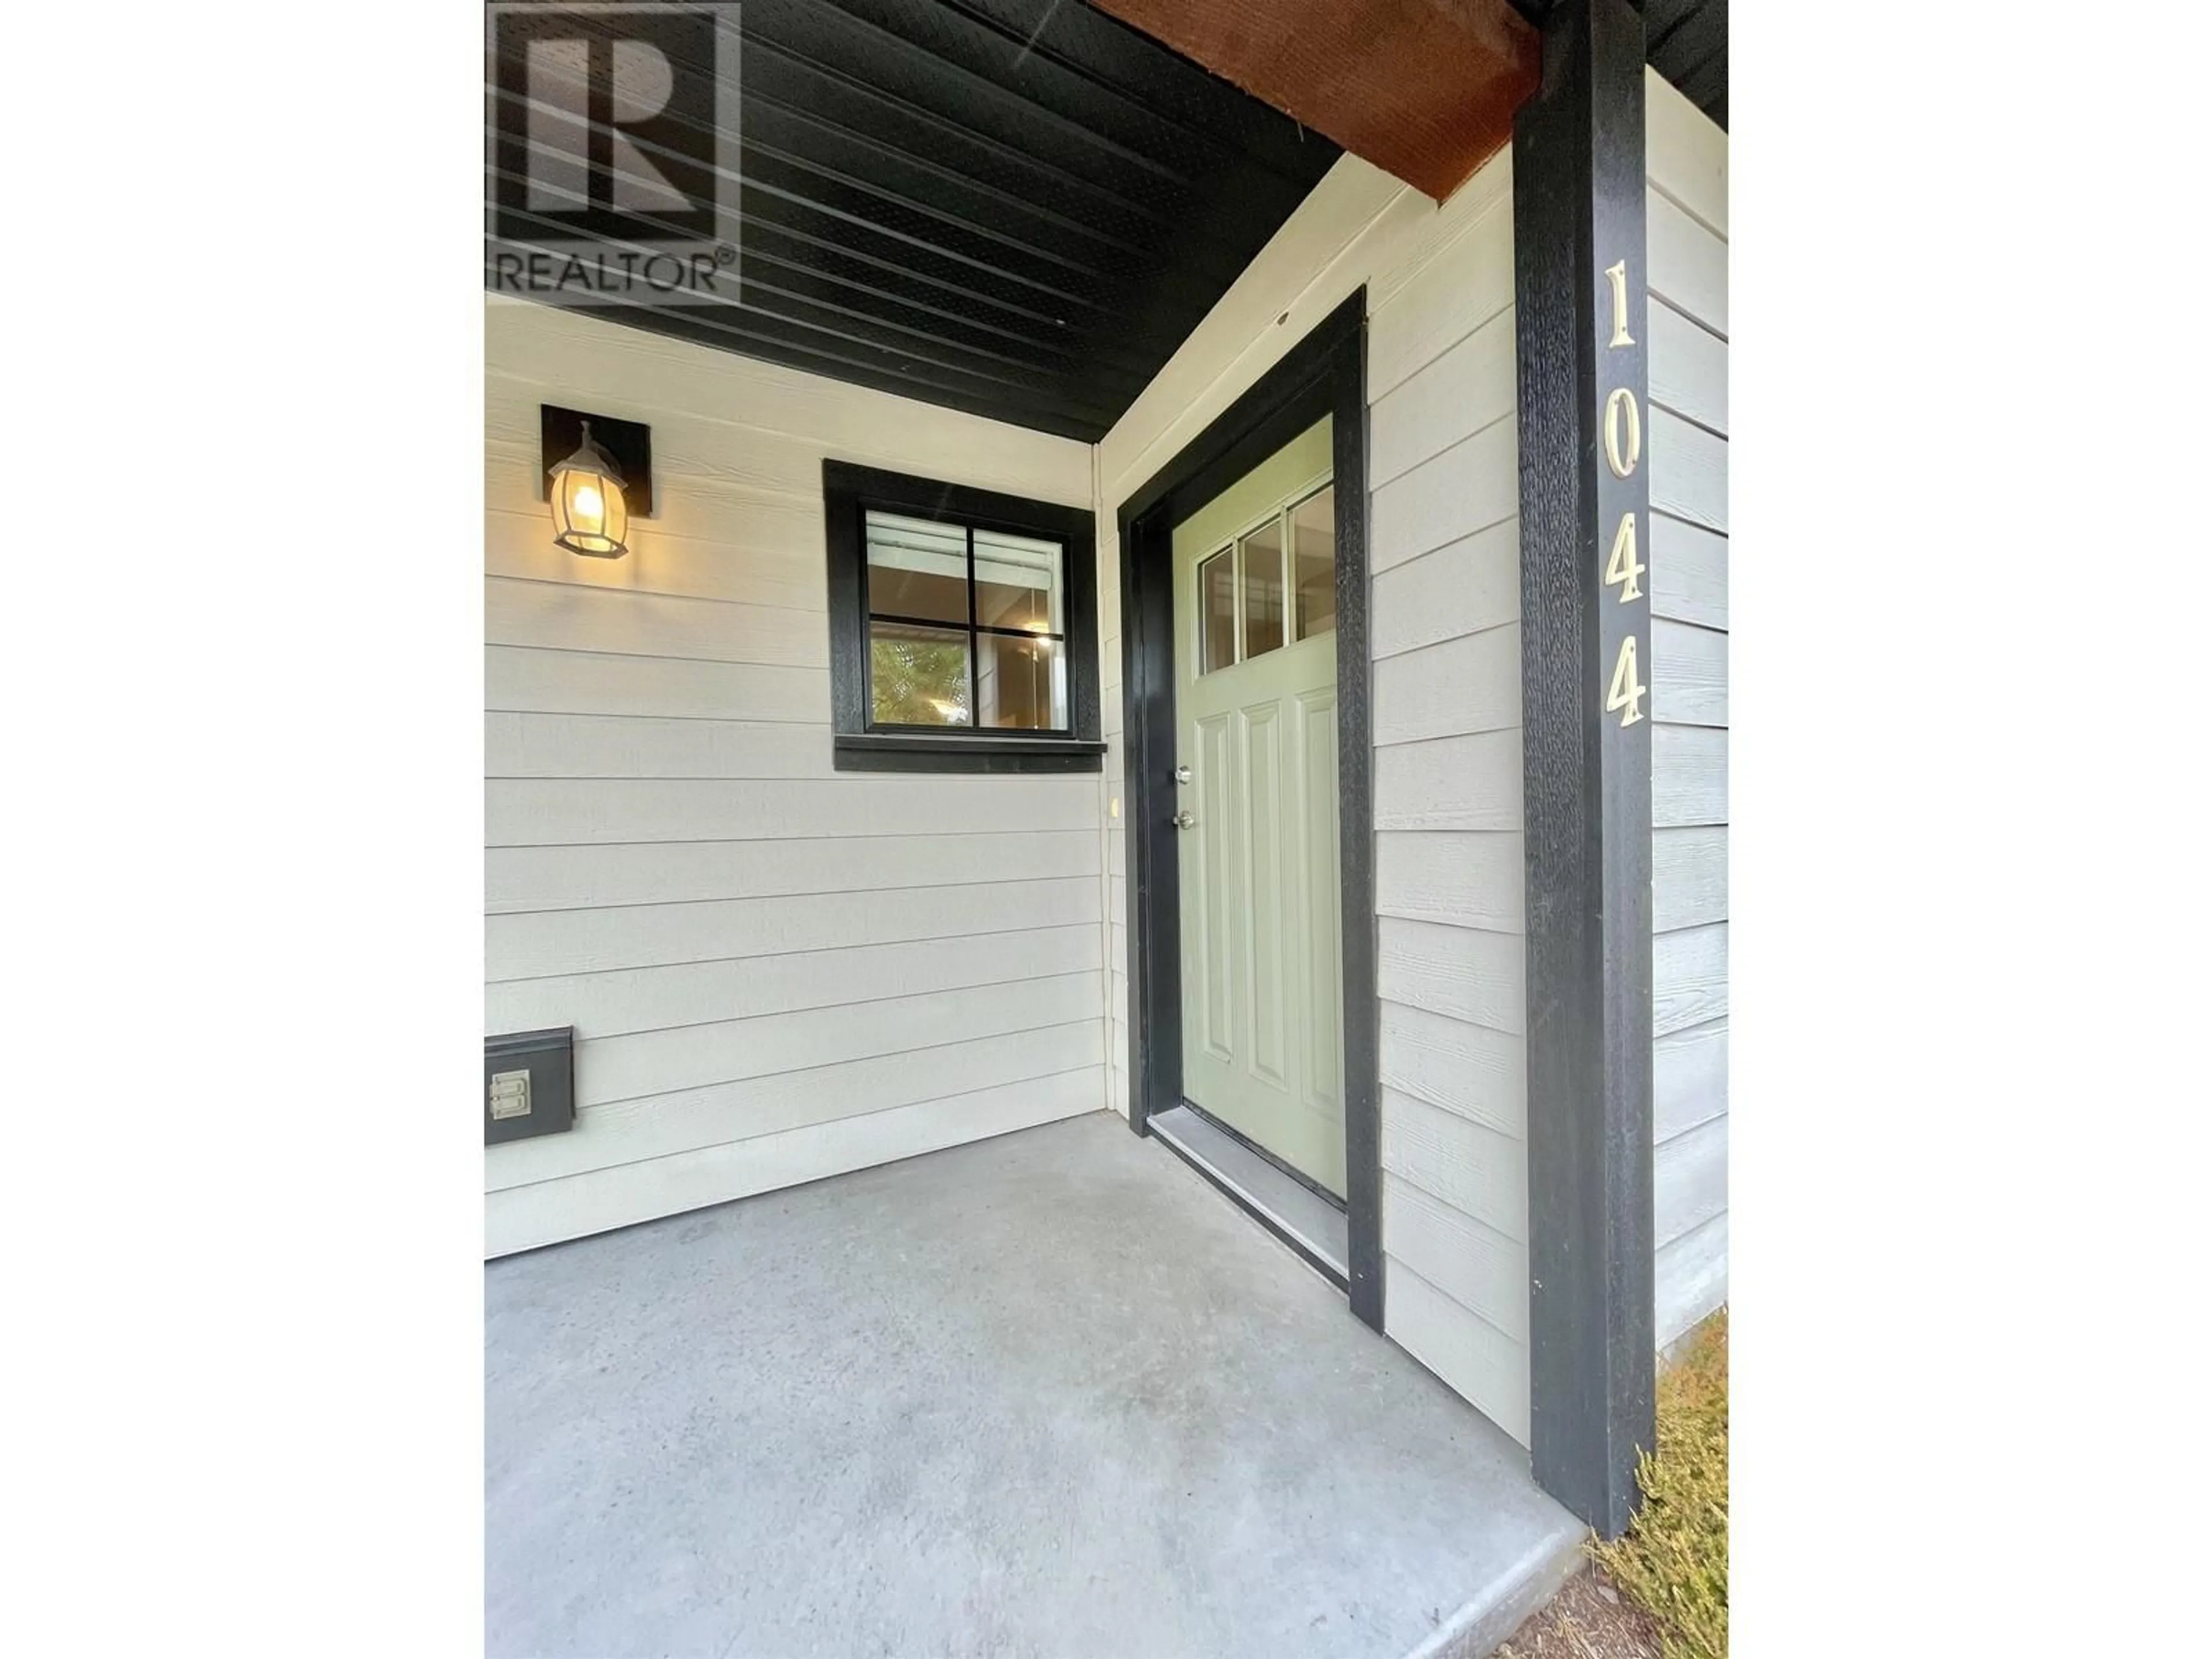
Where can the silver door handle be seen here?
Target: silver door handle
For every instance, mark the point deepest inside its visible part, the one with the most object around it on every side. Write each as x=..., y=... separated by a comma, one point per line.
x=1185, y=819
x=1182, y=774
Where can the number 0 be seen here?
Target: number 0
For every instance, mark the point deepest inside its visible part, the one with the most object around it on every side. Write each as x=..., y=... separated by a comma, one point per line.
x=1624, y=433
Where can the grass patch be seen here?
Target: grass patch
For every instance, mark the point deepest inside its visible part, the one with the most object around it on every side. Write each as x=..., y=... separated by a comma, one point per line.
x=1672, y=1559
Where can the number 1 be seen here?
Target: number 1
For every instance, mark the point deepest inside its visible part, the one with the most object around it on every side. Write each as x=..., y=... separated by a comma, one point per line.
x=1617, y=274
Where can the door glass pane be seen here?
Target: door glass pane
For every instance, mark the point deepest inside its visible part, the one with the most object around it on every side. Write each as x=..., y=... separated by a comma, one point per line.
x=1262, y=553
x=1018, y=582
x=918, y=675
x=917, y=568
x=1217, y=604
x=1021, y=683
x=1312, y=561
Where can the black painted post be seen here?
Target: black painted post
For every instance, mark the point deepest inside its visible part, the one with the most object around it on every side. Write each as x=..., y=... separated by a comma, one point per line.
x=1585, y=667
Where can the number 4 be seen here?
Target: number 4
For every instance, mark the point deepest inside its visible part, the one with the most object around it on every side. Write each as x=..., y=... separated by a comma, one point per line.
x=1622, y=566
x=1626, y=691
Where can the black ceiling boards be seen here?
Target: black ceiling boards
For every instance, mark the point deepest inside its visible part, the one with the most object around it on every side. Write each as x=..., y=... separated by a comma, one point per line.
x=1686, y=40
x=1017, y=207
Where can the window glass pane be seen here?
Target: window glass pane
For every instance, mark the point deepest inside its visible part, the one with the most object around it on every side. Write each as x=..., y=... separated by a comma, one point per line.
x=1022, y=683
x=1018, y=582
x=1262, y=553
x=1217, y=604
x=917, y=568
x=1312, y=561
x=918, y=675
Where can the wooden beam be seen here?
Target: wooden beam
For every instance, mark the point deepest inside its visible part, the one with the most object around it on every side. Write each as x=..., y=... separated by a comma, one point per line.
x=1578, y=255
x=1426, y=90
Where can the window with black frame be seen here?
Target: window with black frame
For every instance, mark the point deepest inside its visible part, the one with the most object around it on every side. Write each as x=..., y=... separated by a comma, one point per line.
x=962, y=634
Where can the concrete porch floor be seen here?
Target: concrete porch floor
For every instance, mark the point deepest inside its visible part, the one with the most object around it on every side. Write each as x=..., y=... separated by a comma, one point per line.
x=1047, y=1395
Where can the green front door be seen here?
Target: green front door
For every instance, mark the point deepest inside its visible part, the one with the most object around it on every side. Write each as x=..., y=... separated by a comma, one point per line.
x=1256, y=794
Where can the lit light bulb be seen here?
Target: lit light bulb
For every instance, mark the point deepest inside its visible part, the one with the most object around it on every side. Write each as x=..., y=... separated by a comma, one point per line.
x=589, y=515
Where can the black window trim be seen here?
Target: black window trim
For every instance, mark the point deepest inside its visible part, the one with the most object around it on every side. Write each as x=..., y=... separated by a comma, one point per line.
x=849, y=491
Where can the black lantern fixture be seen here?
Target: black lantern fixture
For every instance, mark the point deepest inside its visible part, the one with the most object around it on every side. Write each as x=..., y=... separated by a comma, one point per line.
x=589, y=515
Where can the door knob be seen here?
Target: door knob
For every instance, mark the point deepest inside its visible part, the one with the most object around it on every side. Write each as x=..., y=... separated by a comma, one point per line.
x=1182, y=774
x=1185, y=819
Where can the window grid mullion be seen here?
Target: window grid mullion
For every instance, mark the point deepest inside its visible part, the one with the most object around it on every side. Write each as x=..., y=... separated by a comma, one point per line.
x=975, y=654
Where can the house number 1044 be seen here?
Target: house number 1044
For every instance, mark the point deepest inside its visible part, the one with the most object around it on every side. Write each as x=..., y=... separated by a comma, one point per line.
x=1623, y=431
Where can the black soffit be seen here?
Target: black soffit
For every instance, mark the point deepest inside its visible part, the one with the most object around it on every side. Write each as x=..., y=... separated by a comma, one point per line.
x=1017, y=208
x=1686, y=40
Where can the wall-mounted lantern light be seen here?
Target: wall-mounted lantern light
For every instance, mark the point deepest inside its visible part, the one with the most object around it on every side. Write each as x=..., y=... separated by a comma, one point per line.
x=601, y=478
x=589, y=515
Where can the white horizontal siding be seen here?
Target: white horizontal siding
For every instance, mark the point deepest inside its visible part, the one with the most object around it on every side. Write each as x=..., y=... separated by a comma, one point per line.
x=778, y=567
x=1685, y=153
x=1471, y=781
x=1467, y=973
x=1450, y=956
x=1691, y=1278
x=1689, y=877
x=1687, y=210
x=615, y=1001
x=1689, y=471
x=1470, y=1069
x=1689, y=776
x=1689, y=263
x=629, y=1130
x=1688, y=573
x=641, y=1065
x=561, y=616
x=573, y=878
x=776, y=971
x=1477, y=1169
x=1469, y=683
x=1689, y=674
x=1480, y=1361
x=1689, y=1078
x=1689, y=1179
x=542, y=1213
x=711, y=1115
x=526, y=680
x=1688, y=369
x=1461, y=880
x=1464, y=587
x=1441, y=295
x=532, y=745
x=528, y=944
x=703, y=401
x=563, y=812
x=1472, y=485
x=1466, y=391
x=1477, y=1267
x=1689, y=971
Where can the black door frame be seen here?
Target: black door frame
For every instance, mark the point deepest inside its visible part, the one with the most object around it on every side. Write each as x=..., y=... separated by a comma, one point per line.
x=1324, y=374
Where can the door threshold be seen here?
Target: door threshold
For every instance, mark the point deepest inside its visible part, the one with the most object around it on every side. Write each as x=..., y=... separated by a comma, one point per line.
x=1300, y=1217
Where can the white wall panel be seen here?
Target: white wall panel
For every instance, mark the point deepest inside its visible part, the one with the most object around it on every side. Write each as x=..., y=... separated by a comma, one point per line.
x=1686, y=224
x=776, y=971
x=572, y=877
